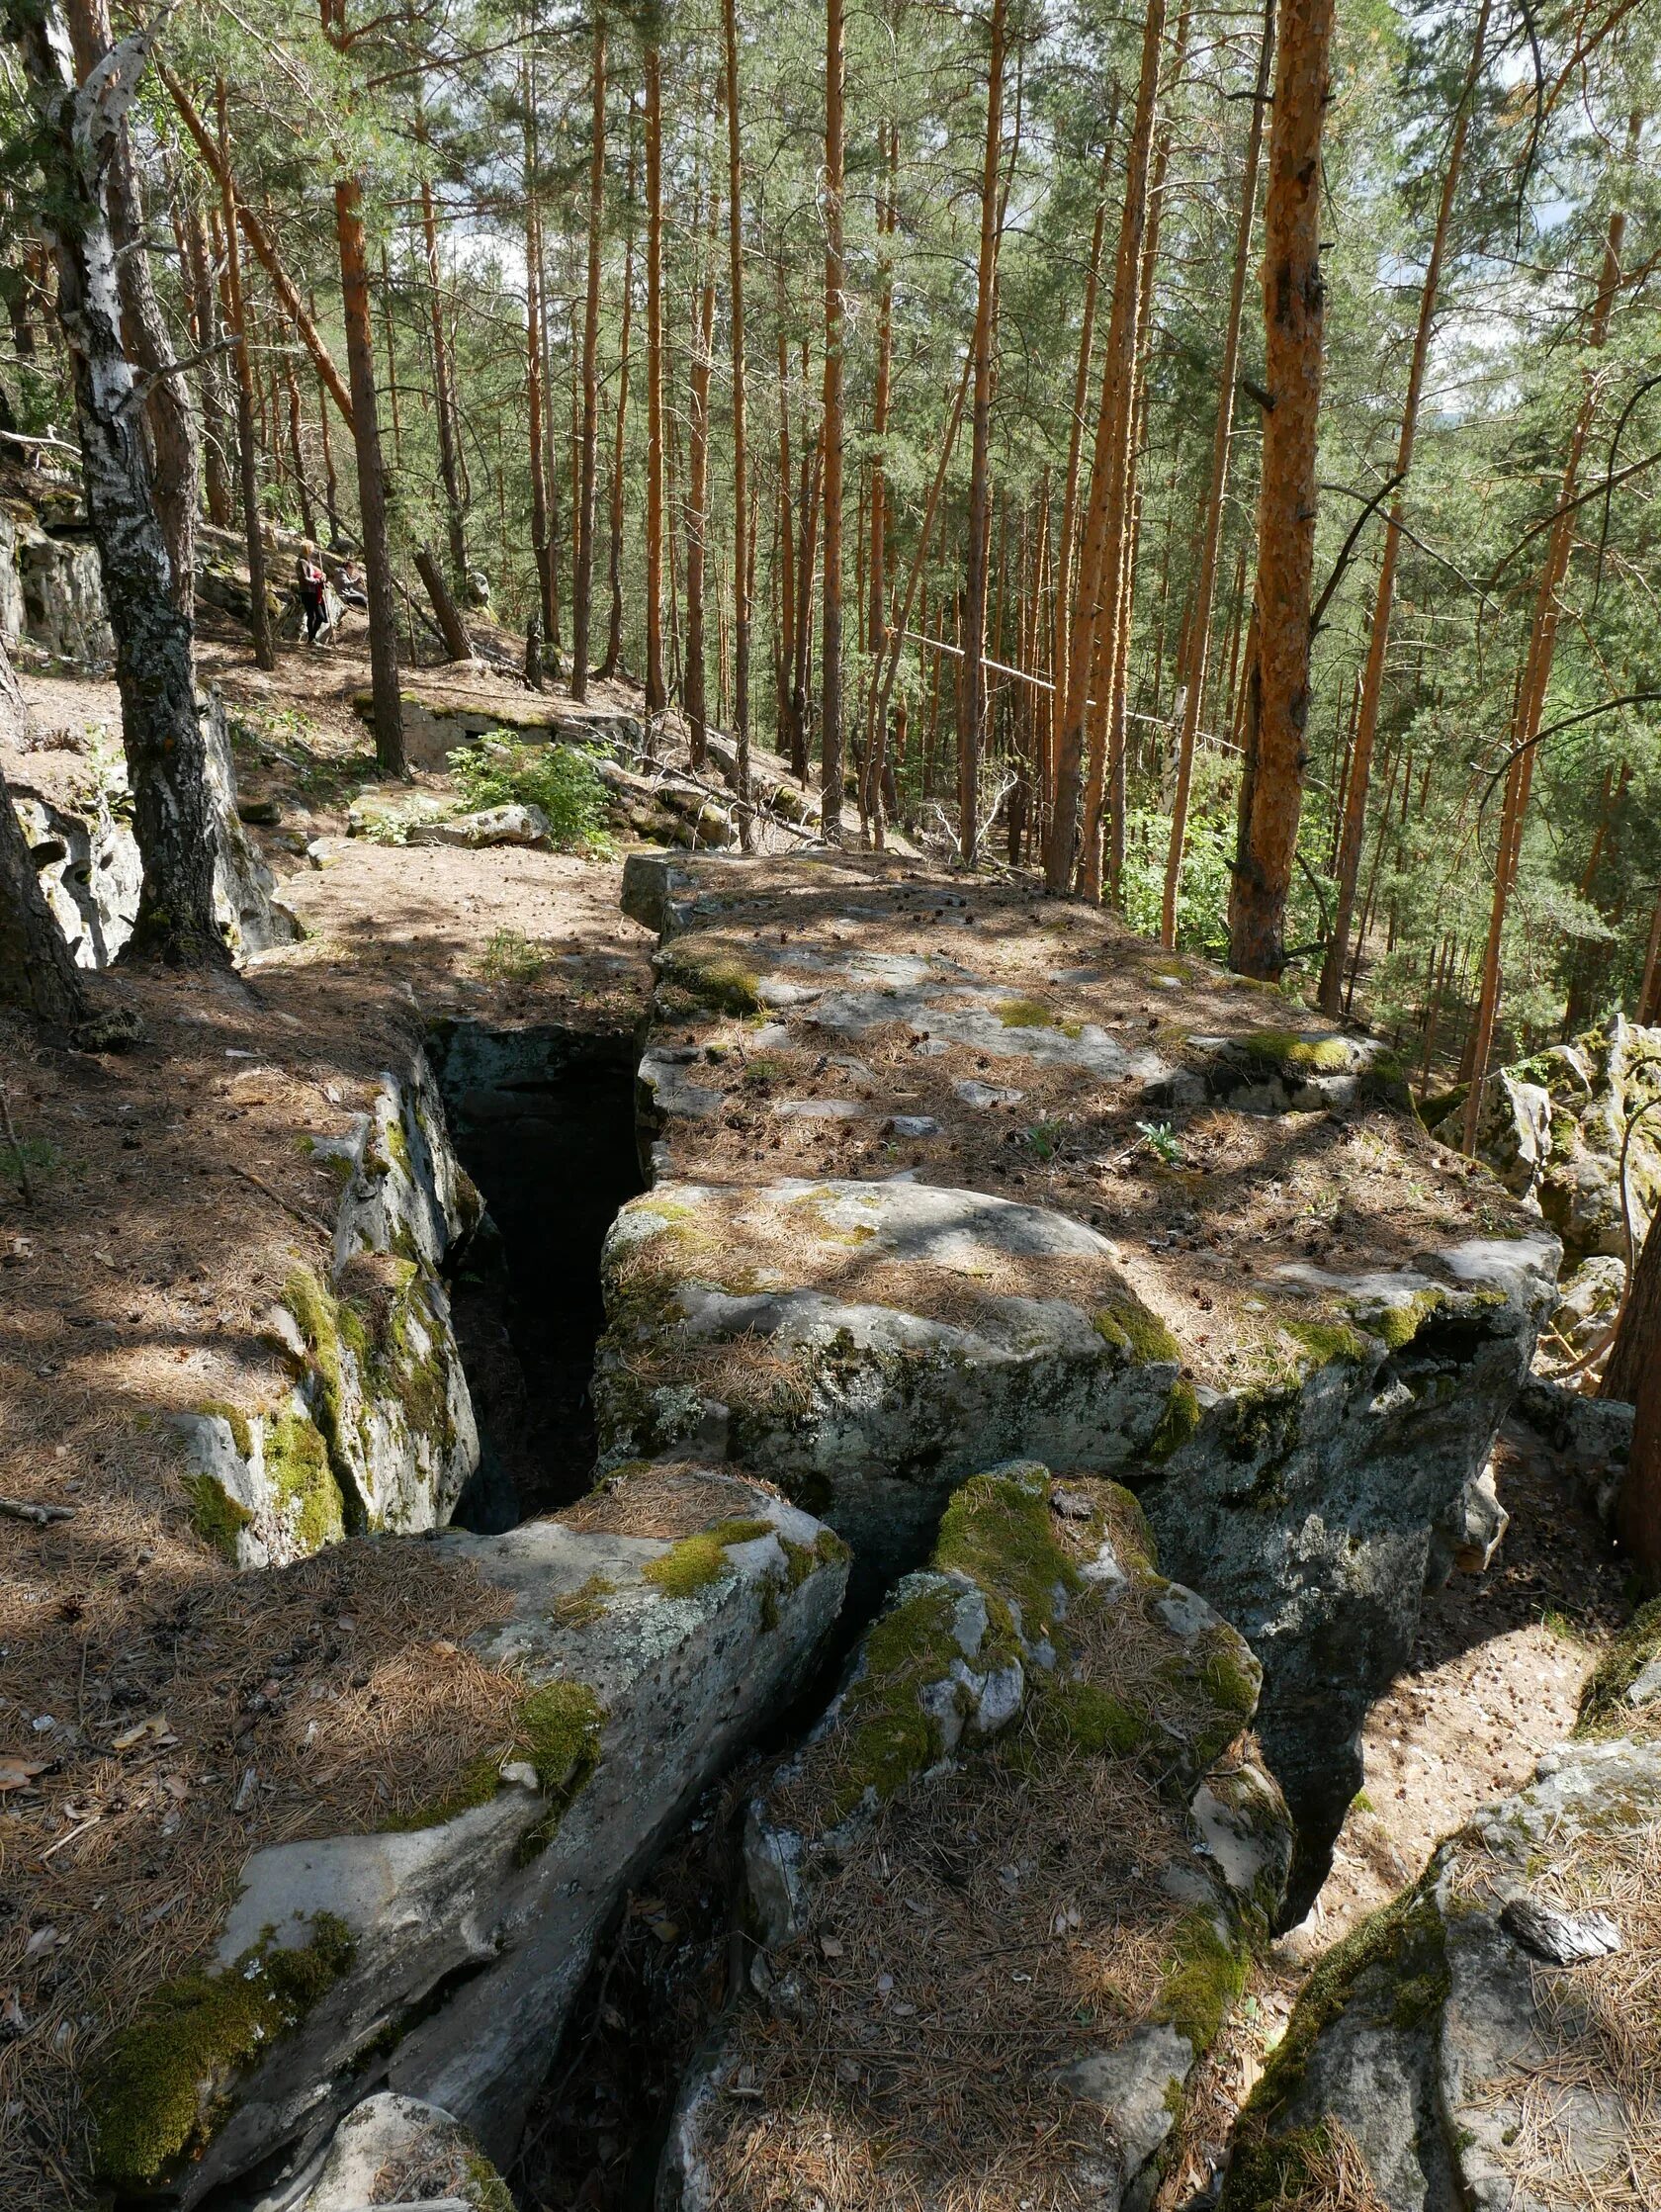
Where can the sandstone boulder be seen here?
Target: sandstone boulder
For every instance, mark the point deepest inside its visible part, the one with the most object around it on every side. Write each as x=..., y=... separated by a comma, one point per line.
x=438, y=1959
x=1001, y=1900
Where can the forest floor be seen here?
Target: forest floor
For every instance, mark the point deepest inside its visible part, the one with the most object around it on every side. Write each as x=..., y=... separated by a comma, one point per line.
x=169, y=1198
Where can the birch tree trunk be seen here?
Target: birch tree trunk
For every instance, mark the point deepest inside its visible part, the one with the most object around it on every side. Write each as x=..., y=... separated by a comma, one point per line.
x=1379, y=639
x=1205, y=582
x=1278, y=677
x=979, y=463
x=162, y=733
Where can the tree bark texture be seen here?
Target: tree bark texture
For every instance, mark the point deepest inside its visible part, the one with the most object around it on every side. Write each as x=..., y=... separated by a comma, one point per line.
x=614, y=552
x=979, y=462
x=162, y=735
x=259, y=606
x=1294, y=303
x=372, y=480
x=835, y=279
x=693, y=695
x=741, y=580
x=657, y=694
x=216, y=414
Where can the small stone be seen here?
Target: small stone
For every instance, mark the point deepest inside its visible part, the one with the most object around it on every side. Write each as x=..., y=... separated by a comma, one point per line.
x=1560, y=1938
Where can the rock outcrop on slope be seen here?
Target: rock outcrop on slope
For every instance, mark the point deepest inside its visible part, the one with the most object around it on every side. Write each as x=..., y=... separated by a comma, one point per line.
x=651, y=1631
x=1556, y=1129
x=87, y=856
x=1003, y=1896
x=378, y=1432
x=1490, y=2040
x=944, y=1172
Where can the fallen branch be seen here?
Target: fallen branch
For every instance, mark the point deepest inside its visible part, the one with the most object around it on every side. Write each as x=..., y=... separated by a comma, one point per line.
x=311, y=1220
x=25, y=1509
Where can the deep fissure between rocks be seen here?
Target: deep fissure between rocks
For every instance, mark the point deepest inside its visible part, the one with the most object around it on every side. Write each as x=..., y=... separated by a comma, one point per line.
x=543, y=1120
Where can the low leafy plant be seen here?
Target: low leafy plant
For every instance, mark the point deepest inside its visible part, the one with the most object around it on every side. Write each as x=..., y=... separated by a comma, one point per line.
x=554, y=777
x=511, y=957
x=1163, y=1141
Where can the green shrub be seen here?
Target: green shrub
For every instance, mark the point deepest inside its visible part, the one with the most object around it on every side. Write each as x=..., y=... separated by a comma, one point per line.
x=554, y=777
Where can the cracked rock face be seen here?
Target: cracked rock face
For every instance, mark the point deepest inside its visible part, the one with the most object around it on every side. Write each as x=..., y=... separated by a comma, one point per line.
x=1036, y=1760
x=437, y=1961
x=833, y=1280
x=1486, y=2041
x=379, y=1430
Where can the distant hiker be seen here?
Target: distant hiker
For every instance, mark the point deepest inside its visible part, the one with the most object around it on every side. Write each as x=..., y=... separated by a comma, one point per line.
x=533, y=651
x=313, y=589
x=351, y=587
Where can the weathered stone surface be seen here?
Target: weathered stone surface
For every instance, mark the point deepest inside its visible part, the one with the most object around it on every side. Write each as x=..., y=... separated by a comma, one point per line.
x=51, y=595
x=1039, y=1690
x=90, y=868
x=1442, y=2045
x=396, y=2150
x=378, y=1432
x=455, y=1943
x=1594, y=1436
x=1553, y=1129
x=505, y=825
x=1307, y=1416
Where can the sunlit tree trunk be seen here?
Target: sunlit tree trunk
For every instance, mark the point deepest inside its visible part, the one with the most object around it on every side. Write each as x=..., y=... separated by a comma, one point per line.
x=835, y=278
x=216, y=415
x=657, y=694
x=741, y=579
x=166, y=758
x=876, y=725
x=1537, y=678
x=979, y=462
x=536, y=404
x=1278, y=674
x=582, y=580
x=1067, y=534
x=614, y=553
x=1096, y=585
x=785, y=681
x=1372, y=681
x=697, y=494
x=1205, y=581
x=259, y=610
x=444, y=397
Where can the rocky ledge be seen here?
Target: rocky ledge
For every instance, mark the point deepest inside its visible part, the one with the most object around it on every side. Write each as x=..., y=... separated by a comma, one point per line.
x=944, y=1172
x=646, y=1635
x=1489, y=2040
x=1005, y=1895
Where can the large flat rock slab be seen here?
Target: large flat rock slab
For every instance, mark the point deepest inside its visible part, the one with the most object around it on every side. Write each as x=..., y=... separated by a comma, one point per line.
x=646, y=1637
x=916, y=1139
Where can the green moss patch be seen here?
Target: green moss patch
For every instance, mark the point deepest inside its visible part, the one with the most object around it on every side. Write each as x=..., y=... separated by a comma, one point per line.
x=997, y=1531
x=1094, y=1720
x=297, y=1466
x=1286, y=1050
x=713, y=978
x=697, y=1560
x=1604, y=1709
x=583, y=1607
x=1398, y=1325
x=217, y=1516
x=1130, y=1326
x=886, y=1738
x=1329, y=1341
x=1205, y=1976
x=1178, y=1422
x=1026, y=1013
x=156, y=2092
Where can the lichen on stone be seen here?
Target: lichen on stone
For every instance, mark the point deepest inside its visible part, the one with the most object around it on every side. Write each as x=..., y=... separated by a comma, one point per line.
x=996, y=1530
x=1327, y=1342
x=157, y=2092
x=217, y=1516
x=302, y=1481
x=1286, y=1050
x=711, y=979
x=1179, y=1421
x=217, y=1409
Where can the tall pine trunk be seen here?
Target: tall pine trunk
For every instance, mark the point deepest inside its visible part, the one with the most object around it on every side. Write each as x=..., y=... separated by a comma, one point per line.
x=876, y=719
x=259, y=608
x=541, y=551
x=1378, y=640
x=1205, y=581
x=657, y=694
x=444, y=397
x=216, y=415
x=1097, y=581
x=835, y=278
x=693, y=695
x=741, y=580
x=1278, y=675
x=582, y=580
x=1537, y=678
x=372, y=480
x=1070, y=495
x=614, y=550
x=979, y=463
